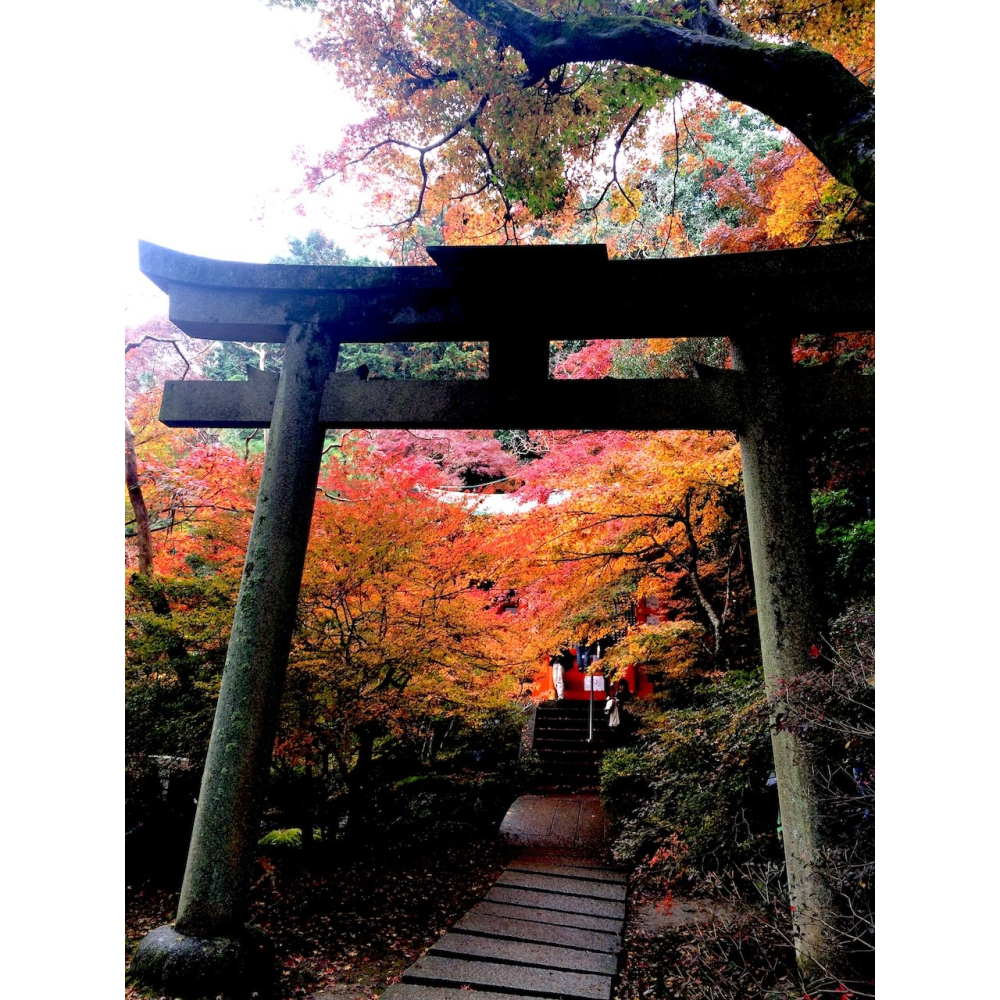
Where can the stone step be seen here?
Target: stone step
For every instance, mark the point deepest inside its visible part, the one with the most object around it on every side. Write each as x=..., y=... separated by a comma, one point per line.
x=569, y=726
x=563, y=736
x=570, y=754
x=564, y=856
x=570, y=721
x=417, y=991
x=557, y=918
x=517, y=929
x=570, y=732
x=550, y=928
x=580, y=733
x=546, y=865
x=560, y=902
x=532, y=953
x=562, y=884
x=524, y=980
x=571, y=769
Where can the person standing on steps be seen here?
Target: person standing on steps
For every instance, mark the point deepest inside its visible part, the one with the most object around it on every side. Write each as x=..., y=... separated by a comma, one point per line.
x=558, y=677
x=611, y=710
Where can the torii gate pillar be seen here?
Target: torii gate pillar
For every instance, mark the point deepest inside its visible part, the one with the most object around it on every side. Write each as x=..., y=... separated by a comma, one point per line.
x=210, y=949
x=782, y=550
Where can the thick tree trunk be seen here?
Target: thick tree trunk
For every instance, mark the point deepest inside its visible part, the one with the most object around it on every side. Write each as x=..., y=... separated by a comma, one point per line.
x=143, y=534
x=803, y=89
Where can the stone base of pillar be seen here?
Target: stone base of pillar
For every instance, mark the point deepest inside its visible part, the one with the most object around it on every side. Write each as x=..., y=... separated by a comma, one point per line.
x=197, y=968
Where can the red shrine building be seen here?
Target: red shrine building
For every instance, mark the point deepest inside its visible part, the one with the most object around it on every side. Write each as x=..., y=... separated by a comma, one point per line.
x=577, y=660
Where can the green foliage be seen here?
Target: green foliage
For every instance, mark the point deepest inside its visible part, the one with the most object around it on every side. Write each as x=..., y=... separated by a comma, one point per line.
x=161, y=718
x=846, y=545
x=319, y=249
x=282, y=839
x=521, y=443
x=738, y=139
x=631, y=360
x=680, y=186
x=698, y=778
x=529, y=768
x=832, y=709
x=453, y=805
x=228, y=361
x=176, y=635
x=431, y=360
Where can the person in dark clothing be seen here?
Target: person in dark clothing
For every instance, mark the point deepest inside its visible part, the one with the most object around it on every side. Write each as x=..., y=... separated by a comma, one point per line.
x=623, y=696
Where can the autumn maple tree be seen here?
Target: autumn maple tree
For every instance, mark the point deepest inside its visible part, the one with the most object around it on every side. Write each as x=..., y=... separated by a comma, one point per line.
x=488, y=115
x=399, y=614
x=629, y=515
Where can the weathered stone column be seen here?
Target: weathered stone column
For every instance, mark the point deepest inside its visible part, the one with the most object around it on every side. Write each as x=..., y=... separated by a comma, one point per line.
x=782, y=547
x=210, y=949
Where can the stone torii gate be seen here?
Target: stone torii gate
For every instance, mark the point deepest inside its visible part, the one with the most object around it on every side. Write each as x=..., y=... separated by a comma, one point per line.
x=518, y=299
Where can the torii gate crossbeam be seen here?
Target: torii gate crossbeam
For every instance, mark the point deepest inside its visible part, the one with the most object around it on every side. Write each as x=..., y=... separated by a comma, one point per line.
x=760, y=301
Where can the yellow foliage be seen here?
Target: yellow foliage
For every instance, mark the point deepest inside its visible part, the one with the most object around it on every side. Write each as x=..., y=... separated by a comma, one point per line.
x=625, y=205
x=796, y=200
x=671, y=651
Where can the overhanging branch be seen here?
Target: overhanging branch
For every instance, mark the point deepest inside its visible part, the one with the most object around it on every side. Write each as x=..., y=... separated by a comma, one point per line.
x=802, y=88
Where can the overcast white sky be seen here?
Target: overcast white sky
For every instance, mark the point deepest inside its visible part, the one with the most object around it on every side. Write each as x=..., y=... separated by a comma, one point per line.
x=221, y=97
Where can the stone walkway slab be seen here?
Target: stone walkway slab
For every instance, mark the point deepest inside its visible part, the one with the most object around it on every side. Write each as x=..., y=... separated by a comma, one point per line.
x=457, y=945
x=478, y=922
x=559, y=856
x=556, y=918
x=557, y=901
x=550, y=928
x=415, y=991
x=548, y=867
x=574, y=821
x=516, y=979
x=544, y=882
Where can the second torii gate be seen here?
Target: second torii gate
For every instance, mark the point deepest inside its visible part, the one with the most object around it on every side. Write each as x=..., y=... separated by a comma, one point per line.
x=518, y=299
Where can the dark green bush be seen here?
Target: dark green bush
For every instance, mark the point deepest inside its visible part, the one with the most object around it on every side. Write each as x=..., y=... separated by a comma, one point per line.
x=698, y=777
x=449, y=805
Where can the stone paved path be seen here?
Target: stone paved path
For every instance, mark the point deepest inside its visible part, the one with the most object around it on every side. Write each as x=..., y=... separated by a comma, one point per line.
x=549, y=928
x=556, y=821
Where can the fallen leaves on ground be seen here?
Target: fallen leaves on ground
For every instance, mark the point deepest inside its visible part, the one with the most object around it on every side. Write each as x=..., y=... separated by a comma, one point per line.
x=349, y=925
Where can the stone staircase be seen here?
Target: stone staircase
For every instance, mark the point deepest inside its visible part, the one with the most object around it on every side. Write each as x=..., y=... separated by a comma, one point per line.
x=568, y=759
x=551, y=926
x=549, y=929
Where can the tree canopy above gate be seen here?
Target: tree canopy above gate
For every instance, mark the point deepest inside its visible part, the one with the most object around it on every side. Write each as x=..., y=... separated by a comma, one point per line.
x=487, y=112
